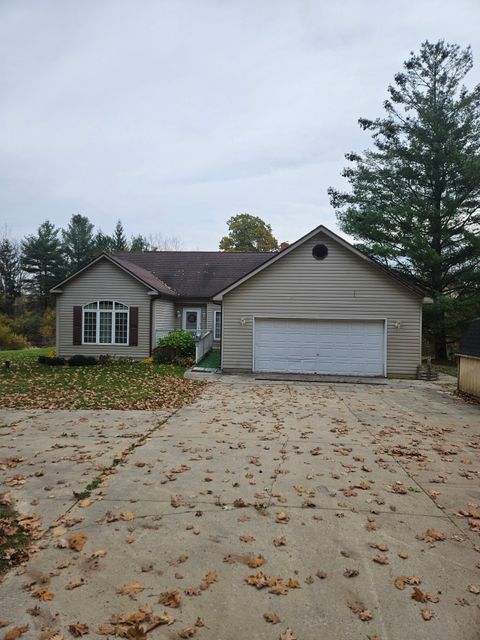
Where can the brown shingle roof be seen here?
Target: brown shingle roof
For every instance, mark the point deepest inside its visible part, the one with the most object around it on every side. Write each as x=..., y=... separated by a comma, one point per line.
x=191, y=274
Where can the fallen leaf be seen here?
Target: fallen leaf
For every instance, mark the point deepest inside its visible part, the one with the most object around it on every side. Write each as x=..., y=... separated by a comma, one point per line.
x=43, y=594
x=170, y=598
x=427, y=614
x=188, y=632
x=380, y=559
x=74, y=584
x=473, y=588
x=432, y=535
x=176, y=501
x=78, y=629
x=255, y=562
x=418, y=595
x=288, y=635
x=280, y=541
x=77, y=541
x=351, y=573
x=15, y=633
x=403, y=555
x=271, y=617
x=128, y=589
x=282, y=517
x=247, y=538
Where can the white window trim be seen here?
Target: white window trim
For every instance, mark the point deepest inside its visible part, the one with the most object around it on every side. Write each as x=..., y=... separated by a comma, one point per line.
x=113, y=311
x=198, y=311
x=215, y=335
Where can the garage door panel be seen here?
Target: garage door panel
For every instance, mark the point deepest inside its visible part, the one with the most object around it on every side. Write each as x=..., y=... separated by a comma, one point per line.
x=341, y=347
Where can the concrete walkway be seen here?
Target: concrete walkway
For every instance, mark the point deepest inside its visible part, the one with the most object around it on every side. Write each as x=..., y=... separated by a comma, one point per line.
x=340, y=494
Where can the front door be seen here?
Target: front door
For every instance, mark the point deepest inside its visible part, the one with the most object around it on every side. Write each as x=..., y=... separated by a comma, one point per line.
x=191, y=319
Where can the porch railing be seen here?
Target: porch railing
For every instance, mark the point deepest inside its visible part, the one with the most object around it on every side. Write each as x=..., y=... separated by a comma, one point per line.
x=203, y=345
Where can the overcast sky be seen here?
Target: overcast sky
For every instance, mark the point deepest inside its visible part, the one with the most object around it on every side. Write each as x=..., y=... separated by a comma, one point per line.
x=175, y=115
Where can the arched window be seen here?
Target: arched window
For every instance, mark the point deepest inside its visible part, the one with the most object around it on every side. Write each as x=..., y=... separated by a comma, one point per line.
x=105, y=322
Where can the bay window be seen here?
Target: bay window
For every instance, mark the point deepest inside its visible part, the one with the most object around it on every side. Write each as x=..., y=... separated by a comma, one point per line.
x=105, y=322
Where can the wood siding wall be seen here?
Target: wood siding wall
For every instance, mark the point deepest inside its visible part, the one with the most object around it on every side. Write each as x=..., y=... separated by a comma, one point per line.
x=469, y=375
x=343, y=286
x=103, y=281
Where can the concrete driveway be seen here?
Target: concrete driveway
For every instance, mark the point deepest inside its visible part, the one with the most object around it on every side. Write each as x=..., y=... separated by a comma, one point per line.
x=344, y=511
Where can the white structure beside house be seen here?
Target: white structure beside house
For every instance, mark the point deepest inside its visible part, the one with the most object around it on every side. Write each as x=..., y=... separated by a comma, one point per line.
x=319, y=306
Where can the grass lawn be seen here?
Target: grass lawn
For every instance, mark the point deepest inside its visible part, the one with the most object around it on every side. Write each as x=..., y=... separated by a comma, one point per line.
x=119, y=385
x=450, y=368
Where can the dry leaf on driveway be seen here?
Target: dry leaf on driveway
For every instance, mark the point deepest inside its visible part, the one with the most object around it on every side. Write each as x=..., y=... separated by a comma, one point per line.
x=431, y=535
x=282, y=517
x=78, y=629
x=129, y=589
x=15, y=633
x=271, y=617
x=287, y=635
x=43, y=594
x=427, y=614
x=77, y=541
x=170, y=598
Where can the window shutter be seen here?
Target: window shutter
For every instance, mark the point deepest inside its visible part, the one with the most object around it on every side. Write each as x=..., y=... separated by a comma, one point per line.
x=77, y=325
x=133, y=327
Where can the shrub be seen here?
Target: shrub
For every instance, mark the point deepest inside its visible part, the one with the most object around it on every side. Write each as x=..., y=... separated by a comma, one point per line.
x=178, y=347
x=53, y=361
x=82, y=361
x=11, y=340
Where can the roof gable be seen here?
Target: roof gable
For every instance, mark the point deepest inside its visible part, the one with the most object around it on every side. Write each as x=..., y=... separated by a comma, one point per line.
x=143, y=276
x=333, y=236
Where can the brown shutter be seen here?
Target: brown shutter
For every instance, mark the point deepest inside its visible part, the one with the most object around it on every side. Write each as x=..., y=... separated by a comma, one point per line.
x=77, y=325
x=133, y=327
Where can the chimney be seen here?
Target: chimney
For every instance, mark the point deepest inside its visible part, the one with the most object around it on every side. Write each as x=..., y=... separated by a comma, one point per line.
x=284, y=245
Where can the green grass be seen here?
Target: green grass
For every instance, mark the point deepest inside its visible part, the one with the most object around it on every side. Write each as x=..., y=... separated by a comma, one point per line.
x=116, y=385
x=22, y=354
x=450, y=370
x=211, y=361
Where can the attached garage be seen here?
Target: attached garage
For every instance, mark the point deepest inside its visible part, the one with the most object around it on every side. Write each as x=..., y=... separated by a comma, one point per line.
x=321, y=306
x=329, y=347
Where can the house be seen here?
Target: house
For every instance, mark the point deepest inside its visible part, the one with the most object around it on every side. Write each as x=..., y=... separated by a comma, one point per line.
x=318, y=306
x=469, y=361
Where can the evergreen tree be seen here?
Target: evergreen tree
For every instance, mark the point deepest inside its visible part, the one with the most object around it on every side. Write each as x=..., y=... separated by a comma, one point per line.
x=415, y=197
x=102, y=243
x=119, y=241
x=248, y=233
x=42, y=258
x=78, y=242
x=139, y=243
x=10, y=274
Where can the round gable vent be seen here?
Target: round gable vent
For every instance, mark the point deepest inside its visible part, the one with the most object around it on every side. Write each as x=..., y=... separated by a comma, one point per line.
x=320, y=252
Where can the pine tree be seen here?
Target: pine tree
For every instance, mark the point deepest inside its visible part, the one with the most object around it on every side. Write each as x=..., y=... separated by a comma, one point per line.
x=42, y=258
x=10, y=273
x=415, y=197
x=119, y=241
x=78, y=242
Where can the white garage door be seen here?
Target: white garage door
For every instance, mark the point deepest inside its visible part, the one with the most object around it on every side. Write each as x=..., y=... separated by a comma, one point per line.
x=331, y=347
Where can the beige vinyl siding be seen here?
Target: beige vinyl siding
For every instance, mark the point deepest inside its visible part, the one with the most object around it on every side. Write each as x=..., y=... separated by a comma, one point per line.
x=103, y=281
x=164, y=318
x=343, y=286
x=469, y=375
x=211, y=308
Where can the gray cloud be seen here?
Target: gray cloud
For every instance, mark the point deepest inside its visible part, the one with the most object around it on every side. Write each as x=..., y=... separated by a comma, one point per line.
x=175, y=115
